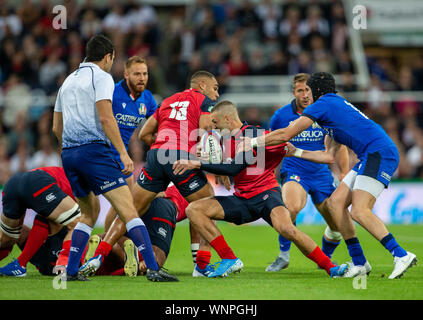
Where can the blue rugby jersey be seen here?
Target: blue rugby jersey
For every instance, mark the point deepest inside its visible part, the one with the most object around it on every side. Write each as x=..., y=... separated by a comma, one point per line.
x=313, y=138
x=348, y=125
x=129, y=112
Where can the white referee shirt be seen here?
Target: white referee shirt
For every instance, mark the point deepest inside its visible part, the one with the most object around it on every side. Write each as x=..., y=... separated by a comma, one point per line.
x=76, y=100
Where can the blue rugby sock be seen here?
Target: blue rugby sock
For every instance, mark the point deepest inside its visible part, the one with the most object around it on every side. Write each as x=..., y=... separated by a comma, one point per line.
x=392, y=246
x=285, y=244
x=328, y=247
x=80, y=237
x=139, y=235
x=355, y=251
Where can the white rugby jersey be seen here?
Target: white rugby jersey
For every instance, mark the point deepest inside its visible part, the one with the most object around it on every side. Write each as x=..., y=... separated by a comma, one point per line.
x=76, y=100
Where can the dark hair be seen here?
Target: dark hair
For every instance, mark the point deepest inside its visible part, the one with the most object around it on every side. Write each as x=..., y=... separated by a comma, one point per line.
x=201, y=74
x=321, y=83
x=97, y=47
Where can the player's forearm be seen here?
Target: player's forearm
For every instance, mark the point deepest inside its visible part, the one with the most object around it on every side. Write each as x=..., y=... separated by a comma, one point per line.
x=315, y=156
x=342, y=159
x=58, y=126
x=232, y=168
x=271, y=139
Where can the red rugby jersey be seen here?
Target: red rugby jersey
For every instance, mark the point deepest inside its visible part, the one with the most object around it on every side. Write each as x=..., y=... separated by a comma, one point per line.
x=258, y=177
x=178, y=118
x=181, y=204
x=58, y=173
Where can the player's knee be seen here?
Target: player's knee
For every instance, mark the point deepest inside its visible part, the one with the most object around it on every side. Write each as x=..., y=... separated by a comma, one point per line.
x=193, y=210
x=357, y=213
x=294, y=208
x=287, y=231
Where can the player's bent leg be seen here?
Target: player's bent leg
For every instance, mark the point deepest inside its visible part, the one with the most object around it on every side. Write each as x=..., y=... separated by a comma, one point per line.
x=121, y=199
x=204, y=192
x=142, y=198
x=331, y=237
x=282, y=223
x=295, y=198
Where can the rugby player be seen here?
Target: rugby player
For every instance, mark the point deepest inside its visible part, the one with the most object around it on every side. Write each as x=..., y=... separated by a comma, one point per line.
x=132, y=103
x=257, y=195
x=361, y=187
x=165, y=211
x=176, y=122
x=46, y=191
x=300, y=177
x=85, y=126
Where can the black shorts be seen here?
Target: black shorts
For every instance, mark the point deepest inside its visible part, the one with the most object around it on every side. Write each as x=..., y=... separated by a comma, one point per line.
x=36, y=190
x=240, y=210
x=158, y=173
x=160, y=220
x=45, y=258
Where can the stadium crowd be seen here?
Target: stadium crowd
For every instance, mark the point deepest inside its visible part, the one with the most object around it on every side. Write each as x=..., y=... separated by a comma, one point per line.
x=225, y=37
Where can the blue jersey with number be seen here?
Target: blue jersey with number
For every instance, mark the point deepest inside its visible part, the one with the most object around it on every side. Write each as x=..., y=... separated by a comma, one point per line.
x=129, y=112
x=313, y=138
x=348, y=125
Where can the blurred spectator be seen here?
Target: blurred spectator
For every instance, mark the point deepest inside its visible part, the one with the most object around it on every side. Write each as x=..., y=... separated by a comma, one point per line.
x=237, y=65
x=4, y=164
x=90, y=24
x=46, y=156
x=269, y=13
x=20, y=132
x=290, y=24
x=10, y=23
x=17, y=99
x=314, y=23
x=50, y=70
x=20, y=161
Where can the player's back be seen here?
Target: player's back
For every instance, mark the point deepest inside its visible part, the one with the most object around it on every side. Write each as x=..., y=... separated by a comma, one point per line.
x=178, y=120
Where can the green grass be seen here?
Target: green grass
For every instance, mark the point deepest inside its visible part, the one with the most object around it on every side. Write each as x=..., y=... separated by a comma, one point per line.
x=257, y=246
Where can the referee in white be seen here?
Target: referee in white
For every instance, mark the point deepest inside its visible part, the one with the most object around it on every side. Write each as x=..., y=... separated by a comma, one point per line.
x=85, y=126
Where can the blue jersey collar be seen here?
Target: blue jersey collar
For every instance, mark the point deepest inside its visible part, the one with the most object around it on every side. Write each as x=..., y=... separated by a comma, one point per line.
x=128, y=91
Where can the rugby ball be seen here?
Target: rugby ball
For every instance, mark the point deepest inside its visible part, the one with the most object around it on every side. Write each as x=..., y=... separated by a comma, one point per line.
x=211, y=146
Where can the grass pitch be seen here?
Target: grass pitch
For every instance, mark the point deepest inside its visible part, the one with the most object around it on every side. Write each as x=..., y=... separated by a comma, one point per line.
x=257, y=246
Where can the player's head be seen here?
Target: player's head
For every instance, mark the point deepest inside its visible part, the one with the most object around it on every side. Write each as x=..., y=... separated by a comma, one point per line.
x=136, y=74
x=321, y=83
x=100, y=50
x=225, y=115
x=301, y=90
x=206, y=83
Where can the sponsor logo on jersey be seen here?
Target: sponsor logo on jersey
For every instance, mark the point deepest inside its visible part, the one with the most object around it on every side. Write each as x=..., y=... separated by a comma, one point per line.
x=265, y=197
x=193, y=185
x=107, y=184
x=142, y=110
x=162, y=232
x=386, y=176
x=50, y=197
x=295, y=177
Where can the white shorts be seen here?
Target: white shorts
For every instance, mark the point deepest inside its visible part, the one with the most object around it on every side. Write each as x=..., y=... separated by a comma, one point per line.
x=365, y=183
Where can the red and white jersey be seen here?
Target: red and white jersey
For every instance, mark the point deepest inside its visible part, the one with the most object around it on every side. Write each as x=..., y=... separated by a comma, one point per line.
x=258, y=177
x=178, y=117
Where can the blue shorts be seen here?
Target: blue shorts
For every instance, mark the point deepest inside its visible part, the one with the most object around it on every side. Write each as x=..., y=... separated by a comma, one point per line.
x=92, y=167
x=117, y=159
x=241, y=210
x=156, y=176
x=319, y=185
x=379, y=165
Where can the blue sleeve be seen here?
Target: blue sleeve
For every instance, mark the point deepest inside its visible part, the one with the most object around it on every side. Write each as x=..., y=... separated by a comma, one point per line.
x=152, y=105
x=316, y=111
x=274, y=121
x=207, y=105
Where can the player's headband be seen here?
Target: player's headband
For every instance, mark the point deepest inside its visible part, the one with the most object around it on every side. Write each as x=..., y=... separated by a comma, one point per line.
x=321, y=83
